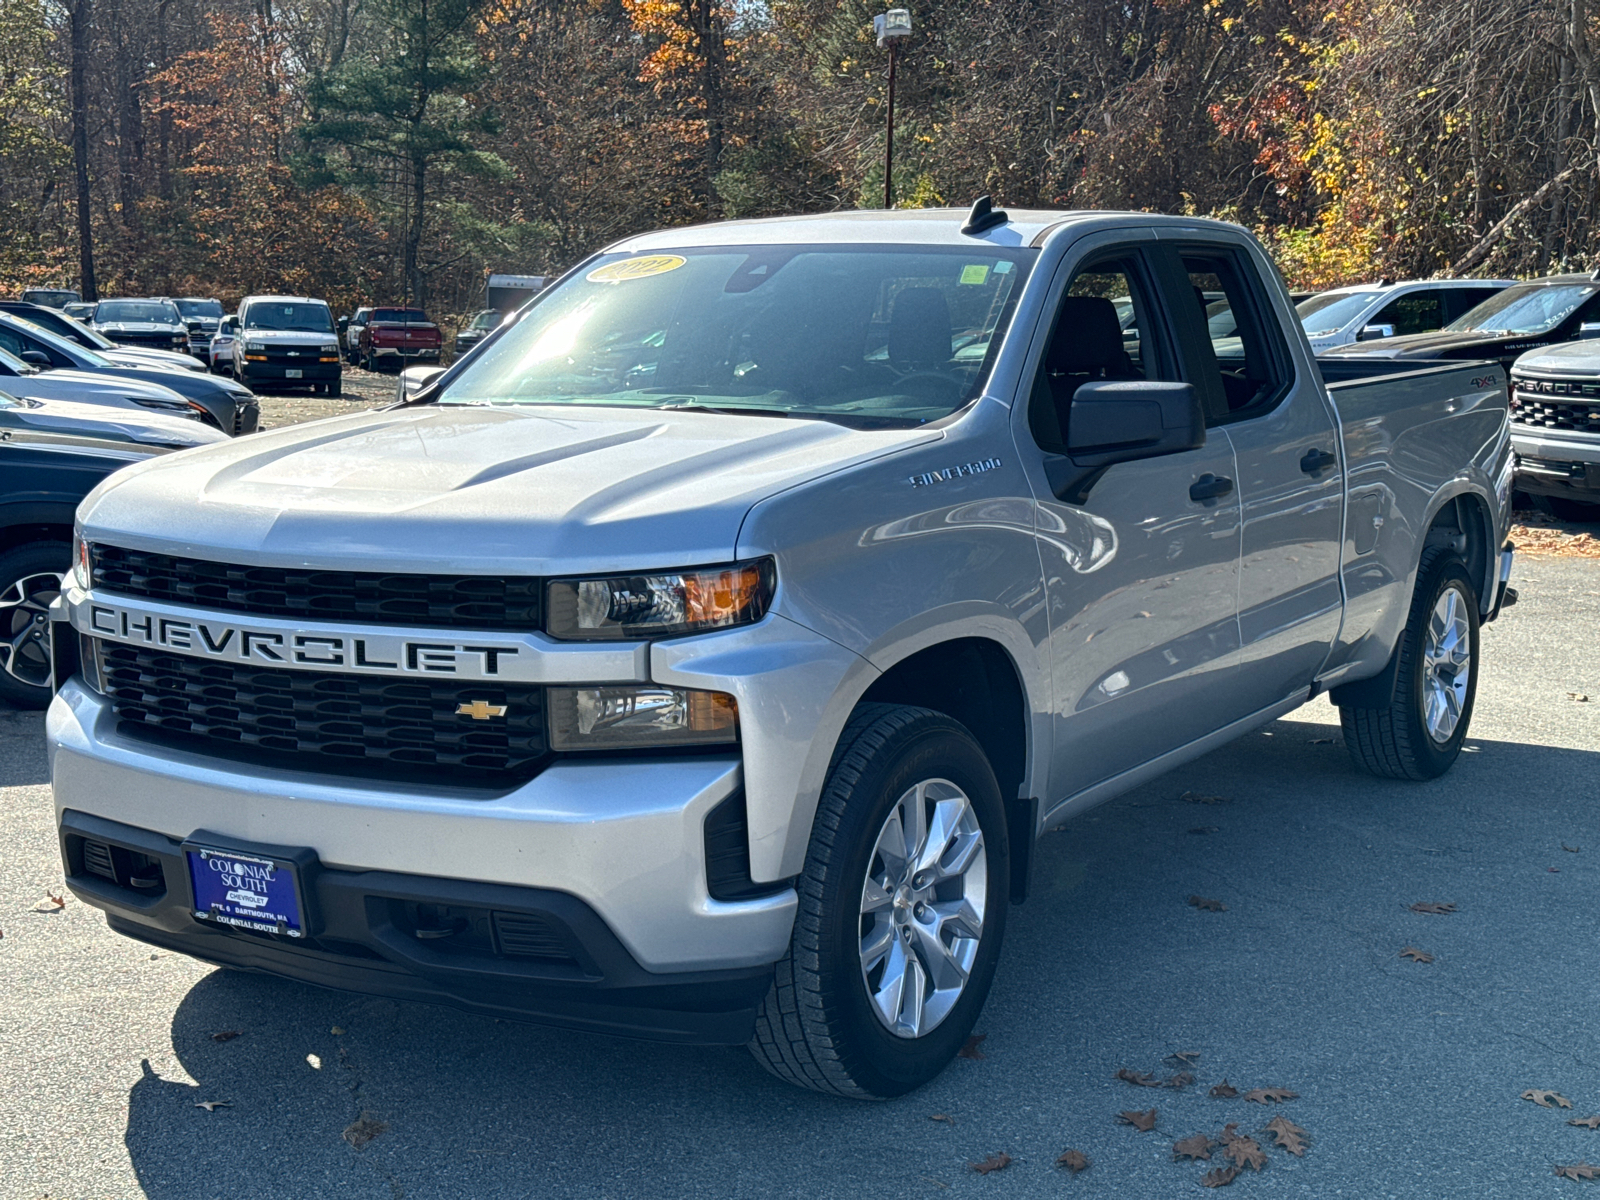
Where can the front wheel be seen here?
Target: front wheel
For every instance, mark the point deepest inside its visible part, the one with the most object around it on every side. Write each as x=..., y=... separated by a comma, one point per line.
x=30, y=579
x=1419, y=733
x=902, y=911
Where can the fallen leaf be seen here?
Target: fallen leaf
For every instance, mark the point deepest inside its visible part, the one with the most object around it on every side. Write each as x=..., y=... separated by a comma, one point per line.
x=1191, y=798
x=1320, y=742
x=336, y=1030
x=1187, y=1058
x=1219, y=1177
x=51, y=903
x=1137, y=1078
x=1144, y=1122
x=1289, y=1136
x=1546, y=1099
x=1074, y=1161
x=1415, y=955
x=1195, y=1146
x=1578, y=696
x=362, y=1130
x=969, y=1048
x=227, y=1035
x=1246, y=1152
x=1270, y=1095
x=1202, y=830
x=1224, y=1091
x=1578, y=1170
x=1438, y=910
x=213, y=1105
x=1553, y=870
x=1205, y=905
x=1590, y=1122
x=1181, y=1080
x=1570, y=849
x=315, y=1060
x=995, y=1162
x=945, y=1117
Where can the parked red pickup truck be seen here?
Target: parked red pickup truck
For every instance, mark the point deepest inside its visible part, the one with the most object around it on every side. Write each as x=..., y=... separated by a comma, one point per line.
x=397, y=336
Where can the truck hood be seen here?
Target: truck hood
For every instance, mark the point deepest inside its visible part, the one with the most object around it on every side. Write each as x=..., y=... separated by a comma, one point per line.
x=479, y=490
x=110, y=329
x=1567, y=358
x=1440, y=344
x=290, y=337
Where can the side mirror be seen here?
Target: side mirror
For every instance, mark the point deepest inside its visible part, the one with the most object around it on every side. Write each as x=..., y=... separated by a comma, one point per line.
x=37, y=358
x=1372, y=333
x=1588, y=331
x=1114, y=421
x=413, y=380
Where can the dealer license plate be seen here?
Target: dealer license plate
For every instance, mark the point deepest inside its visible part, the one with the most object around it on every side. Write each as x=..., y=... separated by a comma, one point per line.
x=246, y=891
x=292, y=373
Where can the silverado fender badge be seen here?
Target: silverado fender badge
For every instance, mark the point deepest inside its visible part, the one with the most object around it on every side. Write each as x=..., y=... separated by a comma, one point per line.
x=480, y=710
x=955, y=472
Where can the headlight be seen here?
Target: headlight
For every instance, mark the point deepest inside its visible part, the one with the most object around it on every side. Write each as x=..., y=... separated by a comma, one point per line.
x=174, y=406
x=640, y=717
x=179, y=340
x=80, y=562
x=658, y=606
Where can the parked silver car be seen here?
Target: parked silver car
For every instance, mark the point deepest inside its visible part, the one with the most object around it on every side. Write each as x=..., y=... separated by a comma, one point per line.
x=701, y=657
x=1371, y=311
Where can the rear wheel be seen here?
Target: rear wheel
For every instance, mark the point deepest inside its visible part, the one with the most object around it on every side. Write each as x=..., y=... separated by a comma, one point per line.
x=902, y=911
x=335, y=389
x=30, y=578
x=1419, y=733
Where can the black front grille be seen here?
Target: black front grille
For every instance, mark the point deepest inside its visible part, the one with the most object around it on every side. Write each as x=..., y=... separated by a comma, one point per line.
x=374, y=597
x=371, y=726
x=1539, y=413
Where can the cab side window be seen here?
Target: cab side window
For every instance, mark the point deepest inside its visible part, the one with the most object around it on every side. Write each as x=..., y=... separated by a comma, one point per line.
x=1247, y=349
x=1415, y=312
x=1104, y=329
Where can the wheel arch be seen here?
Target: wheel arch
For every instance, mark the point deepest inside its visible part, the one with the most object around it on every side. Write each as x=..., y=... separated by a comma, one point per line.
x=976, y=681
x=1462, y=517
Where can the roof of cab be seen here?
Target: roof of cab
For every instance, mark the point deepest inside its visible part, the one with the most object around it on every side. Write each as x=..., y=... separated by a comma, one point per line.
x=920, y=226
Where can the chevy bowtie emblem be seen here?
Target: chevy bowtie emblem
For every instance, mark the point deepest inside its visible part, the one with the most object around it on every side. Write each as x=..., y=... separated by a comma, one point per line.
x=480, y=710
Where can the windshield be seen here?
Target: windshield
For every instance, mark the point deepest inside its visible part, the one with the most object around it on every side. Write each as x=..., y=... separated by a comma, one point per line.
x=1527, y=308
x=78, y=355
x=487, y=319
x=160, y=311
x=289, y=316
x=396, y=316
x=1332, y=311
x=858, y=334
x=48, y=298
x=200, y=308
x=12, y=365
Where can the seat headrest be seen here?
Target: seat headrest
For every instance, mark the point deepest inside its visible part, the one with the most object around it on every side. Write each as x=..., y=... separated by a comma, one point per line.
x=1088, y=337
x=919, y=329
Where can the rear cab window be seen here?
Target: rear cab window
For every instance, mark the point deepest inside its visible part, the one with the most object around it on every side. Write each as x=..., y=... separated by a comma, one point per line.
x=1242, y=367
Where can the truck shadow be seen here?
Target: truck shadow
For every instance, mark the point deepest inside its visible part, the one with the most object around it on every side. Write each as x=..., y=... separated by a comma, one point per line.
x=1107, y=965
x=22, y=757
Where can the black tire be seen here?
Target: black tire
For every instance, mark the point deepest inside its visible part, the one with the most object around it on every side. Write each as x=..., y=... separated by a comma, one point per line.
x=22, y=654
x=1394, y=741
x=336, y=388
x=1579, y=512
x=817, y=1028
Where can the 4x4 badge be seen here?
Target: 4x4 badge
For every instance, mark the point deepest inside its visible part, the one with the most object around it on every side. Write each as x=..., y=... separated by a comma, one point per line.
x=480, y=710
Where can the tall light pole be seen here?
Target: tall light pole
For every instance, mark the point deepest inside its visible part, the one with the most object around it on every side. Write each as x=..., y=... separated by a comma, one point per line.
x=891, y=27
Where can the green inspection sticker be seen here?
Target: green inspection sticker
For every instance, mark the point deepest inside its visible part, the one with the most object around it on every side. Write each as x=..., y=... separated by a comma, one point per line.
x=976, y=273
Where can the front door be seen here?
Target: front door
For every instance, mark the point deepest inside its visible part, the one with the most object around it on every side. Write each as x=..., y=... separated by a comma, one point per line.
x=1141, y=576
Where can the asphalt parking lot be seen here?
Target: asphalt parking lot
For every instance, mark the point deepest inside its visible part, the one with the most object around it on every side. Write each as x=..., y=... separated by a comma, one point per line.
x=1409, y=1075
x=362, y=389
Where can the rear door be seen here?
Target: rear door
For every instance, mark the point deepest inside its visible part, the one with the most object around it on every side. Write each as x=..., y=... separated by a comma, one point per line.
x=1141, y=576
x=1290, y=476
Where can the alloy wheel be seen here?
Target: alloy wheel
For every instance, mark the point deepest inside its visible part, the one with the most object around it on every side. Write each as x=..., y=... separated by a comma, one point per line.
x=1447, y=665
x=25, y=628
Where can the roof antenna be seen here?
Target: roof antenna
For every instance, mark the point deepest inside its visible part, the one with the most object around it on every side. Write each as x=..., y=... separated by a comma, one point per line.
x=984, y=216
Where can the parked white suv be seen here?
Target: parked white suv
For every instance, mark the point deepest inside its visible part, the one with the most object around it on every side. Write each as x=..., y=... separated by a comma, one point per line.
x=1366, y=311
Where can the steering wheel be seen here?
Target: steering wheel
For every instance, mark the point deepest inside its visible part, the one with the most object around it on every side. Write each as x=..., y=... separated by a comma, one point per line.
x=909, y=382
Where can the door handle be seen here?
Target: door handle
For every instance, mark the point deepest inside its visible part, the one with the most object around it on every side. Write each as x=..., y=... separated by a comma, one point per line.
x=1210, y=487
x=1315, y=461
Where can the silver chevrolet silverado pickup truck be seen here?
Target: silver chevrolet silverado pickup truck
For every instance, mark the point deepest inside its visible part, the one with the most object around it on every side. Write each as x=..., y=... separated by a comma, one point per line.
x=701, y=658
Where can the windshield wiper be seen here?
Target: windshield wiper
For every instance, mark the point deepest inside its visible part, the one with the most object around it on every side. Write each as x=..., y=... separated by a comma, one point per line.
x=726, y=410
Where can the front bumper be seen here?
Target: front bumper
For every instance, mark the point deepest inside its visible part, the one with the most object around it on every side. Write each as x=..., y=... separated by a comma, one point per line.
x=1557, y=465
x=409, y=353
x=624, y=836
x=309, y=372
x=526, y=953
